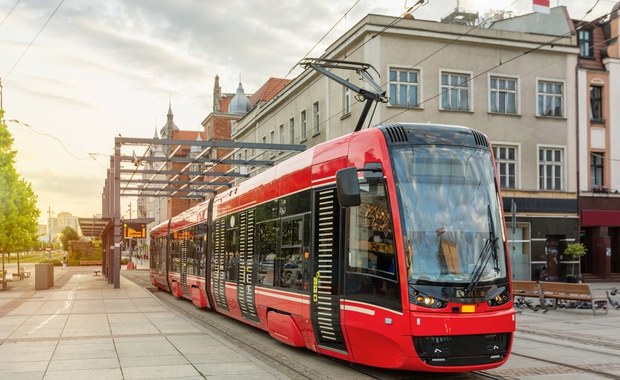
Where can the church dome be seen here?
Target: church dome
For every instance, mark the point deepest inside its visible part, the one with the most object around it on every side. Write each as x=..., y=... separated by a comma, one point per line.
x=239, y=104
x=195, y=149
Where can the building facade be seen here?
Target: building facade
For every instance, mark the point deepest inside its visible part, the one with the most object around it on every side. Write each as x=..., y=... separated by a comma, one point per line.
x=518, y=88
x=598, y=81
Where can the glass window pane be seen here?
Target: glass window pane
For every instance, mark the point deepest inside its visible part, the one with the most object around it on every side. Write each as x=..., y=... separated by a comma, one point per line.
x=392, y=94
x=444, y=79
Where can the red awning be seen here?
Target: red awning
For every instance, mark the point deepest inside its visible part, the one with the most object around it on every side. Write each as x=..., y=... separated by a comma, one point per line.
x=590, y=218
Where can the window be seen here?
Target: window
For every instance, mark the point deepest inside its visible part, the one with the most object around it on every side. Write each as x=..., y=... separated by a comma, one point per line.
x=550, y=168
x=316, y=126
x=346, y=100
x=597, y=168
x=304, y=125
x=585, y=44
x=550, y=98
x=281, y=128
x=291, y=127
x=506, y=161
x=404, y=88
x=272, y=140
x=503, y=95
x=455, y=91
x=371, y=256
x=596, y=103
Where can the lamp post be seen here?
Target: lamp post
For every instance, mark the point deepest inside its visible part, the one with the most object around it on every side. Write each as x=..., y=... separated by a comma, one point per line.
x=49, y=231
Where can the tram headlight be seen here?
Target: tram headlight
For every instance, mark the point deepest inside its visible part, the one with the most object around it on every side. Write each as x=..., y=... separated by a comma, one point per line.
x=500, y=299
x=422, y=299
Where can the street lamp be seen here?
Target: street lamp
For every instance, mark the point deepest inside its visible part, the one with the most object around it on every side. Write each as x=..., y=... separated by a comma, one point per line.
x=49, y=232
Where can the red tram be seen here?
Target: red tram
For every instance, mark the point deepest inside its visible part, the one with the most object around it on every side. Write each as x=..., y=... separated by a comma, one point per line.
x=385, y=247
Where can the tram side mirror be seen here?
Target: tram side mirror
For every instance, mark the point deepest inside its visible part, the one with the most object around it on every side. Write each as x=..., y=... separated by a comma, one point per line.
x=348, y=187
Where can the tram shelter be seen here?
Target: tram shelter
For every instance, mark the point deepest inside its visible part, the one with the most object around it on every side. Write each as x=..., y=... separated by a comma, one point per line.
x=208, y=168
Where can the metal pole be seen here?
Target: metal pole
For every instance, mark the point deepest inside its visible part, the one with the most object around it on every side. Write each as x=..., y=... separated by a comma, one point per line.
x=49, y=232
x=117, y=214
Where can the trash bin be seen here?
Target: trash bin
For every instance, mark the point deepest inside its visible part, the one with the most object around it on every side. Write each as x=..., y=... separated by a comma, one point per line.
x=43, y=276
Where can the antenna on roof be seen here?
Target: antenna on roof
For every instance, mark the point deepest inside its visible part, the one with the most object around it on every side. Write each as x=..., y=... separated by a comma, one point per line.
x=376, y=95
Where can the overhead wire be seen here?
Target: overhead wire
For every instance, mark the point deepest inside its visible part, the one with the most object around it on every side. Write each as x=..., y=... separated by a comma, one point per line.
x=33, y=39
x=10, y=11
x=410, y=9
x=531, y=50
x=63, y=145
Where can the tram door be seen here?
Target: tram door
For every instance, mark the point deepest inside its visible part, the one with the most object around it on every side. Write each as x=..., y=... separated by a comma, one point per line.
x=326, y=282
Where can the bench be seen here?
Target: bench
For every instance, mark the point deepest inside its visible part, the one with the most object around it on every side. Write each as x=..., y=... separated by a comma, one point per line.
x=90, y=262
x=522, y=290
x=21, y=273
x=581, y=293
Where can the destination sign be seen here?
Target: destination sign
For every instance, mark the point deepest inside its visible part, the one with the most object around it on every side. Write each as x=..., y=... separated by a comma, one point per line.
x=134, y=230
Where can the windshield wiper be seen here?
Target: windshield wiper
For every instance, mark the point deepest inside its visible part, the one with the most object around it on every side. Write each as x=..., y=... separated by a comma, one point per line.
x=488, y=251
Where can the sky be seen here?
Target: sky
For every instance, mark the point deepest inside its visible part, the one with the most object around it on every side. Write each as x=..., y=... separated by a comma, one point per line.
x=75, y=74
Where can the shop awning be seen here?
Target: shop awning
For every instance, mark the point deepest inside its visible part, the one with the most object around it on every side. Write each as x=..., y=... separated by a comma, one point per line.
x=591, y=218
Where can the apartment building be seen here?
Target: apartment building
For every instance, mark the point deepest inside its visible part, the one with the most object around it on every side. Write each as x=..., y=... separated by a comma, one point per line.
x=518, y=88
x=598, y=83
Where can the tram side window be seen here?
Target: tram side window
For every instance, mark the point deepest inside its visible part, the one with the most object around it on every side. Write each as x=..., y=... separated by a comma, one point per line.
x=191, y=256
x=232, y=254
x=371, y=253
x=200, y=244
x=157, y=254
x=200, y=241
x=267, y=239
x=292, y=260
x=175, y=256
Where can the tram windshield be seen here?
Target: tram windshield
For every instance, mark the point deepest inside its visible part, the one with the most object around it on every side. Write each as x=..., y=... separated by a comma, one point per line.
x=450, y=215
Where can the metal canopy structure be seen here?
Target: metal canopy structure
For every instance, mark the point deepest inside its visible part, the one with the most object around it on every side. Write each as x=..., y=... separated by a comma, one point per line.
x=169, y=168
x=93, y=227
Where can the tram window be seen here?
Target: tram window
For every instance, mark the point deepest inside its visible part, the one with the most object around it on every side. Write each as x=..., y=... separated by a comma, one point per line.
x=292, y=262
x=267, y=211
x=175, y=256
x=295, y=204
x=191, y=257
x=371, y=261
x=267, y=237
x=232, y=254
x=201, y=245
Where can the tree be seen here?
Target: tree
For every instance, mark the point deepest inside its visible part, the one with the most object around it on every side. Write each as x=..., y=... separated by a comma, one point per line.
x=66, y=235
x=18, y=203
x=575, y=251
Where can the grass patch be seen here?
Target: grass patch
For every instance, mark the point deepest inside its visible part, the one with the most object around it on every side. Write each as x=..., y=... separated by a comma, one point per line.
x=35, y=257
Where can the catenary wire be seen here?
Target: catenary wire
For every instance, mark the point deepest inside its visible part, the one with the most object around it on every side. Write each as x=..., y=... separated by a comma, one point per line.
x=33, y=39
x=9, y=13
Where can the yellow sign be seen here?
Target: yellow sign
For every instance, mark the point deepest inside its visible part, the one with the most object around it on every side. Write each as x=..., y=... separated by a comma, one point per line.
x=134, y=230
x=468, y=308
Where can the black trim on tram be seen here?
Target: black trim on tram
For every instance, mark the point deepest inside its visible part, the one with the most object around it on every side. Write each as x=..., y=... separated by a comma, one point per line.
x=432, y=134
x=209, y=253
x=327, y=269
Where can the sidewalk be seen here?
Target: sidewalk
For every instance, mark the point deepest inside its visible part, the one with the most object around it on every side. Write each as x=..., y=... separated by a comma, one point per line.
x=83, y=328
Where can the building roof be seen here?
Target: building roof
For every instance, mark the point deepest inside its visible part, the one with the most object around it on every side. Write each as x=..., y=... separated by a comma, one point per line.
x=269, y=90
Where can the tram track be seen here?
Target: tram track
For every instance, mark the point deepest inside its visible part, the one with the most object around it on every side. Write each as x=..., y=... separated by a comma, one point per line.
x=296, y=363
x=233, y=332
x=304, y=364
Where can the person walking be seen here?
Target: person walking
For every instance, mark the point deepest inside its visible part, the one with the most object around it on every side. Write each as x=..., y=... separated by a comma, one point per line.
x=64, y=262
